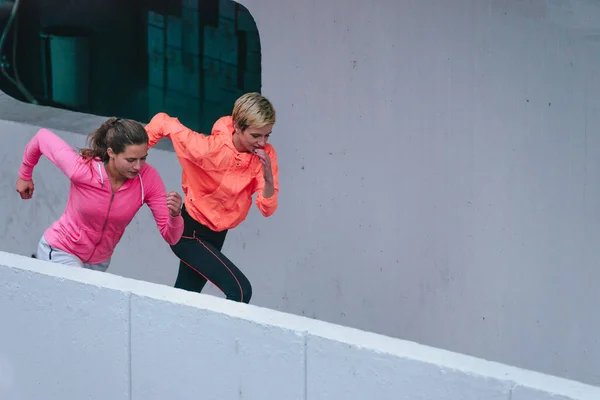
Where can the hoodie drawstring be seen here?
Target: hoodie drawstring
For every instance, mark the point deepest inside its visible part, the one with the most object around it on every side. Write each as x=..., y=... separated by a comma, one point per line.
x=100, y=172
x=142, y=185
x=102, y=179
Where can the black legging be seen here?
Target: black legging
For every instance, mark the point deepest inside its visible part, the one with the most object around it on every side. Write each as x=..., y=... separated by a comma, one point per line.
x=199, y=250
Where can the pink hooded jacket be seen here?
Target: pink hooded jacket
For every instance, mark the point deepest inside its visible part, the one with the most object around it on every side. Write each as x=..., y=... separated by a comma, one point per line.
x=95, y=218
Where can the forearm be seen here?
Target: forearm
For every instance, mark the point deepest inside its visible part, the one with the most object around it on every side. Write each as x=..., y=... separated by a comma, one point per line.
x=31, y=157
x=269, y=189
x=26, y=171
x=174, y=230
x=170, y=227
x=268, y=186
x=267, y=199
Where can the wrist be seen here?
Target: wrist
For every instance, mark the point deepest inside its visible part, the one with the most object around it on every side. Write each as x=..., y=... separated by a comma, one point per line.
x=268, y=179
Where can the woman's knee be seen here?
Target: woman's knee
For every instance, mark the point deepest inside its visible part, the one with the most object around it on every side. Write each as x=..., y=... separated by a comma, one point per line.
x=241, y=293
x=247, y=290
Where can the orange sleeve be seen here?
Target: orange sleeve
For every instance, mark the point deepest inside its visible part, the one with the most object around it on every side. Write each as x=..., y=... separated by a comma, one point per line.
x=267, y=206
x=187, y=144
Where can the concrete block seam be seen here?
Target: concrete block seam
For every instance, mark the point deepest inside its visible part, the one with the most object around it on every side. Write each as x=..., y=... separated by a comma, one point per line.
x=129, y=296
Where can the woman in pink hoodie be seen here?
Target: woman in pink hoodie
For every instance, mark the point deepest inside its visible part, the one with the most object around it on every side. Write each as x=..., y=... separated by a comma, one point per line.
x=110, y=182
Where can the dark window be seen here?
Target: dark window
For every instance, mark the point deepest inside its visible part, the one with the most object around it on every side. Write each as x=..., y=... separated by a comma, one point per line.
x=132, y=59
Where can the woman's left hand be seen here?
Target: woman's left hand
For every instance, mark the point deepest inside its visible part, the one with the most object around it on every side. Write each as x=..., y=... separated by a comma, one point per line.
x=265, y=160
x=174, y=203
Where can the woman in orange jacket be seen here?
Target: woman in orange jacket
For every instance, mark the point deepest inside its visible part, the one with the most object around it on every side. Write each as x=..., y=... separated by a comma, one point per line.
x=220, y=174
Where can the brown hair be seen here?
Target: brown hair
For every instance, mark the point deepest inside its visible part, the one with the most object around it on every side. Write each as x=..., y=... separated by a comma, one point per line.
x=115, y=133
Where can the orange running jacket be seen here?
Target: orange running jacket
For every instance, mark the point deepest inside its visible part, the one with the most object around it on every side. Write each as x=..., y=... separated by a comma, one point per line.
x=217, y=180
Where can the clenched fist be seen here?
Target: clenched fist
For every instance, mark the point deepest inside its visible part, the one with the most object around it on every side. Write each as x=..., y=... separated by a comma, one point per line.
x=265, y=160
x=174, y=203
x=25, y=188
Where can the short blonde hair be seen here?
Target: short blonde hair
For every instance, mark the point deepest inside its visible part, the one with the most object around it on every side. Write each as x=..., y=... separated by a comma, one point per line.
x=253, y=110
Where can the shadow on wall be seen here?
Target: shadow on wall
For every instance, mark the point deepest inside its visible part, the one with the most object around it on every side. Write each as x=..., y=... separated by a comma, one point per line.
x=189, y=58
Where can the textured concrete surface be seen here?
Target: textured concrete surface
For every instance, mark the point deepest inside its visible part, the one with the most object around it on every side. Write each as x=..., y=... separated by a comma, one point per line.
x=477, y=120
x=212, y=356
x=71, y=333
x=61, y=339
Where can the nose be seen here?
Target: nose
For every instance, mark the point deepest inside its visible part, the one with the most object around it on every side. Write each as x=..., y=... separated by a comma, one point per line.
x=136, y=165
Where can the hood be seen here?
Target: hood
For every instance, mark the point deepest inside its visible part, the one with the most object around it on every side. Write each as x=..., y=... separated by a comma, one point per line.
x=223, y=126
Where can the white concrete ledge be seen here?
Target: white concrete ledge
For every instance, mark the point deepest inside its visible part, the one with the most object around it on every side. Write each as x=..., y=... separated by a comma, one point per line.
x=70, y=333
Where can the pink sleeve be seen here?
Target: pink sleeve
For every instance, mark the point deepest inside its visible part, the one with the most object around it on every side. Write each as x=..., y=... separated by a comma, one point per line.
x=55, y=149
x=171, y=228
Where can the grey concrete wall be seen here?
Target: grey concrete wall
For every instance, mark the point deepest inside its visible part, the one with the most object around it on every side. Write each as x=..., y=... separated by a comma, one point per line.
x=71, y=333
x=440, y=177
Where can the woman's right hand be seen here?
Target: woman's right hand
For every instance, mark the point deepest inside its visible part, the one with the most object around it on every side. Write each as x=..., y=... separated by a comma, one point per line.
x=25, y=188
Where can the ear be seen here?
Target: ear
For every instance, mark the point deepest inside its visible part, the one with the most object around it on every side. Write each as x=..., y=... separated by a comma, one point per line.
x=237, y=128
x=110, y=152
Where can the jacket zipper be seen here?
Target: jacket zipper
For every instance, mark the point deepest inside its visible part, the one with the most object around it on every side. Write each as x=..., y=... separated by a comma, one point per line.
x=112, y=196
